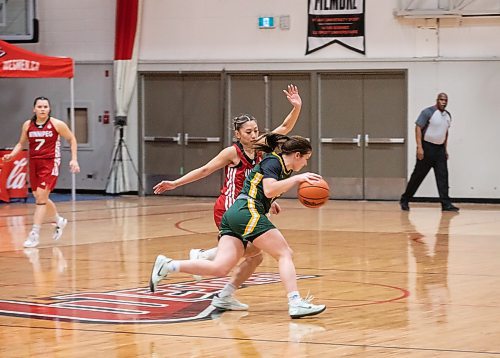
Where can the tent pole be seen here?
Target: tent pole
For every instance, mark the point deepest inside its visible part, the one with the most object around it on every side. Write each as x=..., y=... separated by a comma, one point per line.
x=72, y=115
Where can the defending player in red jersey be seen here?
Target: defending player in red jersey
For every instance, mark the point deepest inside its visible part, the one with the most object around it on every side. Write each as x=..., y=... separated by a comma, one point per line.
x=234, y=177
x=42, y=133
x=238, y=160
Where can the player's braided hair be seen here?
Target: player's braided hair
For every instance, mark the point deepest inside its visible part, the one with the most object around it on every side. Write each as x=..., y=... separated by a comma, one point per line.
x=283, y=144
x=241, y=119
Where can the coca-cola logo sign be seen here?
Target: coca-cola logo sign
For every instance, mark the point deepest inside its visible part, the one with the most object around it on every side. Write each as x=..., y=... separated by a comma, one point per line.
x=17, y=176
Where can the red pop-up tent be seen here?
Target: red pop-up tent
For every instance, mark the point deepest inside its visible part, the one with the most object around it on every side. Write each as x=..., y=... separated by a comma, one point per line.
x=16, y=62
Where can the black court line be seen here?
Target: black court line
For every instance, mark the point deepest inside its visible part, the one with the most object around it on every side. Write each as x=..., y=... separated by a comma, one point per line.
x=376, y=346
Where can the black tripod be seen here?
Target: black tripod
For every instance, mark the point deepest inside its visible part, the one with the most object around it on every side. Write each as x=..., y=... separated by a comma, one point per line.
x=118, y=167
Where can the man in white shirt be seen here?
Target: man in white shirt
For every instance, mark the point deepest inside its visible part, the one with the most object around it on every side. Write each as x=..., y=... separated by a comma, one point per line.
x=431, y=133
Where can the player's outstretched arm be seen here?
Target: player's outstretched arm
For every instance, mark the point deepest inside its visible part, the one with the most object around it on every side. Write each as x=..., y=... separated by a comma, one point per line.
x=225, y=157
x=274, y=188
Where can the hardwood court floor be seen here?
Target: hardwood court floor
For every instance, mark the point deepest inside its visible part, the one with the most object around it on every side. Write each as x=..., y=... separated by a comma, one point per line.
x=418, y=284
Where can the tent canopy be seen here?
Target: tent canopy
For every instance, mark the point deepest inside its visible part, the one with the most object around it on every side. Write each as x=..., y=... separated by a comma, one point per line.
x=20, y=63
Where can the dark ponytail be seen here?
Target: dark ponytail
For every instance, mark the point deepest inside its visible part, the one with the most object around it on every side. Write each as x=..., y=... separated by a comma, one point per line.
x=283, y=144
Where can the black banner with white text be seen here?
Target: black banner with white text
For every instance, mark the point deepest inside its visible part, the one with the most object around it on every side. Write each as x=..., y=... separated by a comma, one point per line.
x=336, y=21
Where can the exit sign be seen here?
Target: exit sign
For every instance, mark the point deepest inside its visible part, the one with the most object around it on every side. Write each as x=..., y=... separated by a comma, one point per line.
x=266, y=22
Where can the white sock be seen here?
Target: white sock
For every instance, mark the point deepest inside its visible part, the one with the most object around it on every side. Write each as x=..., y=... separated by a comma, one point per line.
x=228, y=290
x=210, y=254
x=293, y=298
x=172, y=266
x=36, y=229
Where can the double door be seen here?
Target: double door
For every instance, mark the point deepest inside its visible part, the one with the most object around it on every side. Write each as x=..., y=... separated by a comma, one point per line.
x=356, y=122
x=262, y=96
x=182, y=129
x=362, y=134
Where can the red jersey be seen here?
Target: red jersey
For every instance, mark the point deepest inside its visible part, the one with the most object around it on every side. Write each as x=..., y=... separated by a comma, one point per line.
x=44, y=142
x=234, y=177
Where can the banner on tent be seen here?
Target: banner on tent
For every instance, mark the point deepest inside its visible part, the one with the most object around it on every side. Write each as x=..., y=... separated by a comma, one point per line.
x=13, y=176
x=16, y=62
x=336, y=21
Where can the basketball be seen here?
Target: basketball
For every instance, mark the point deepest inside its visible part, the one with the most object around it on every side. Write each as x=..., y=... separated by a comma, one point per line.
x=313, y=195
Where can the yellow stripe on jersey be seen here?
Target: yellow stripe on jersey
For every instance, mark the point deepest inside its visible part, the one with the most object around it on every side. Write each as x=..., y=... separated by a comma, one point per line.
x=252, y=192
x=282, y=163
x=255, y=217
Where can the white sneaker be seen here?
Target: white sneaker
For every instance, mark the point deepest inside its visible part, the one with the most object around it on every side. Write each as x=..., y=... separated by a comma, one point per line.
x=60, y=225
x=305, y=308
x=228, y=303
x=196, y=254
x=156, y=275
x=33, y=240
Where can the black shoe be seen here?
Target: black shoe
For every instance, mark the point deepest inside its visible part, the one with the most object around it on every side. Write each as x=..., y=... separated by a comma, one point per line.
x=450, y=207
x=404, y=205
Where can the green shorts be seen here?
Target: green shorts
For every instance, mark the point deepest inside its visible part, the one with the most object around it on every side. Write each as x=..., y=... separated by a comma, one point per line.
x=246, y=220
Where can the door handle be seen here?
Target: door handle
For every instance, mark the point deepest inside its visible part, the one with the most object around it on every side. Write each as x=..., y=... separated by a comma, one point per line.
x=356, y=140
x=383, y=140
x=188, y=139
x=176, y=139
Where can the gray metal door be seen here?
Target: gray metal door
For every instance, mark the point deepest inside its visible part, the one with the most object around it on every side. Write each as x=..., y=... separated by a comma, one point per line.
x=385, y=128
x=261, y=95
x=182, y=126
x=363, y=134
x=341, y=123
x=203, y=130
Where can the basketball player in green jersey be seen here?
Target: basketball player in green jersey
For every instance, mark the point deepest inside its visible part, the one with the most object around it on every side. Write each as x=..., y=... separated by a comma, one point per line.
x=246, y=221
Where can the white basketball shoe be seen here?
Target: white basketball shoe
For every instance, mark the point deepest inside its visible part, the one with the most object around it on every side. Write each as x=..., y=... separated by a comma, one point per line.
x=33, y=240
x=304, y=308
x=228, y=303
x=156, y=273
x=60, y=225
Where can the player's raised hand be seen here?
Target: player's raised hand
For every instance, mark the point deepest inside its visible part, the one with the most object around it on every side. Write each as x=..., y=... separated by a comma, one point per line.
x=292, y=94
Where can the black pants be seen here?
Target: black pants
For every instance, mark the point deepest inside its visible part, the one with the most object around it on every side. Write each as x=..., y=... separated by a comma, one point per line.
x=435, y=158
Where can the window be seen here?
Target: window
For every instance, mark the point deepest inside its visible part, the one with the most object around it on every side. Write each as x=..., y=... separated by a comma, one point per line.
x=81, y=130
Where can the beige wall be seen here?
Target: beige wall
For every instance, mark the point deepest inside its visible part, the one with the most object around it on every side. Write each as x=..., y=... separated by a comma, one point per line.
x=177, y=35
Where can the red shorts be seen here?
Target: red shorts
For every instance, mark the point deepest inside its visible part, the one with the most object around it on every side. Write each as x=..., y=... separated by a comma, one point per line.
x=221, y=205
x=44, y=173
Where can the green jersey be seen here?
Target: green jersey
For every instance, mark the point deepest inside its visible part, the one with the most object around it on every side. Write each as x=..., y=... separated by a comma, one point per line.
x=272, y=166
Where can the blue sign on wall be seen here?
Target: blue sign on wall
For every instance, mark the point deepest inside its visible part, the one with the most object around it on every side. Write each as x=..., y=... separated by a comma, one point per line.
x=266, y=22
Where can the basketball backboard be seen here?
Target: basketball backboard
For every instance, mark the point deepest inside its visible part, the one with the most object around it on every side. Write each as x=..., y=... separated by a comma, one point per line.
x=17, y=21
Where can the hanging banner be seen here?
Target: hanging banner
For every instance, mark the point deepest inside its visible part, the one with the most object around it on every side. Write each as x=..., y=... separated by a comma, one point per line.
x=336, y=21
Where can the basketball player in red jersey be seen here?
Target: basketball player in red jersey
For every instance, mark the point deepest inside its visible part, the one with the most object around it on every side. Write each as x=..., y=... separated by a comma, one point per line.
x=237, y=160
x=42, y=134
